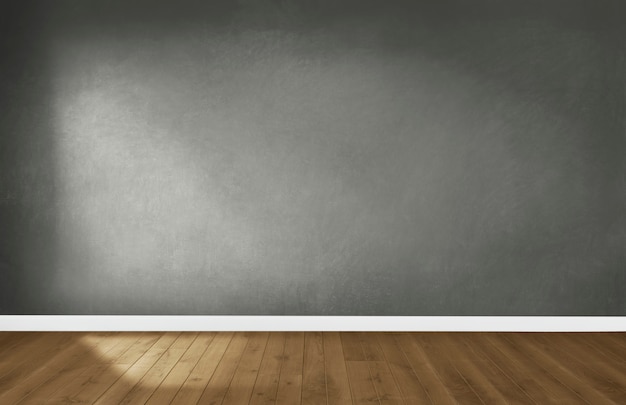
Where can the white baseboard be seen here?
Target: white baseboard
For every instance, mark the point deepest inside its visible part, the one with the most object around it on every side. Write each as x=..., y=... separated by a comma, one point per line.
x=312, y=323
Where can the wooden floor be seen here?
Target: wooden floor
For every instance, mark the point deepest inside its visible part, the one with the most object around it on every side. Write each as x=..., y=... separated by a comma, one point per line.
x=312, y=368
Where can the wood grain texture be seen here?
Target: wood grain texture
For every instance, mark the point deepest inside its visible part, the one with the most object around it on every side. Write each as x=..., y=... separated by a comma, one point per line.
x=313, y=370
x=446, y=370
x=326, y=368
x=71, y=369
x=219, y=383
x=99, y=371
x=290, y=382
x=133, y=377
x=242, y=384
x=99, y=383
x=54, y=373
x=337, y=383
x=193, y=387
x=499, y=378
x=166, y=391
x=409, y=384
x=266, y=385
x=528, y=366
x=438, y=392
x=153, y=378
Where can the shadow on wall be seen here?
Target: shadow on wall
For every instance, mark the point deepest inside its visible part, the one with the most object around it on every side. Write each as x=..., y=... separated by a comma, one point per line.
x=28, y=193
x=327, y=158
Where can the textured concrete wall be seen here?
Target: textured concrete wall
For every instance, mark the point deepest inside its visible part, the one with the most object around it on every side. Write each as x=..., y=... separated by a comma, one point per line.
x=328, y=158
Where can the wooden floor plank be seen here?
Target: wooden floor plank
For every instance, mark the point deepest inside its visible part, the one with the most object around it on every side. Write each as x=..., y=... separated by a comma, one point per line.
x=352, y=349
x=332, y=368
x=63, y=361
x=13, y=341
x=370, y=347
x=290, y=380
x=557, y=391
x=242, y=384
x=361, y=385
x=266, y=385
x=64, y=394
x=337, y=384
x=23, y=344
x=217, y=386
x=313, y=371
x=559, y=371
x=132, y=375
x=609, y=368
x=168, y=389
x=513, y=370
x=598, y=375
x=409, y=384
x=70, y=370
x=265, y=389
x=155, y=375
x=31, y=356
x=467, y=365
x=500, y=379
x=89, y=391
x=613, y=341
x=191, y=390
x=7, y=337
x=384, y=383
x=606, y=351
x=437, y=391
x=446, y=370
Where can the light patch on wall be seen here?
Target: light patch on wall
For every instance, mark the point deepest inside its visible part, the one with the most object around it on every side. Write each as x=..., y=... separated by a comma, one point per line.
x=268, y=170
x=186, y=160
x=132, y=199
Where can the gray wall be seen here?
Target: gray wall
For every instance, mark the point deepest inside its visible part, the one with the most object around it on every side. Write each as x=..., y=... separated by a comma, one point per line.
x=327, y=158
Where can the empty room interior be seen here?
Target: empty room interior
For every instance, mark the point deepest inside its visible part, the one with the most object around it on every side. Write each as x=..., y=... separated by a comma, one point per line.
x=312, y=202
